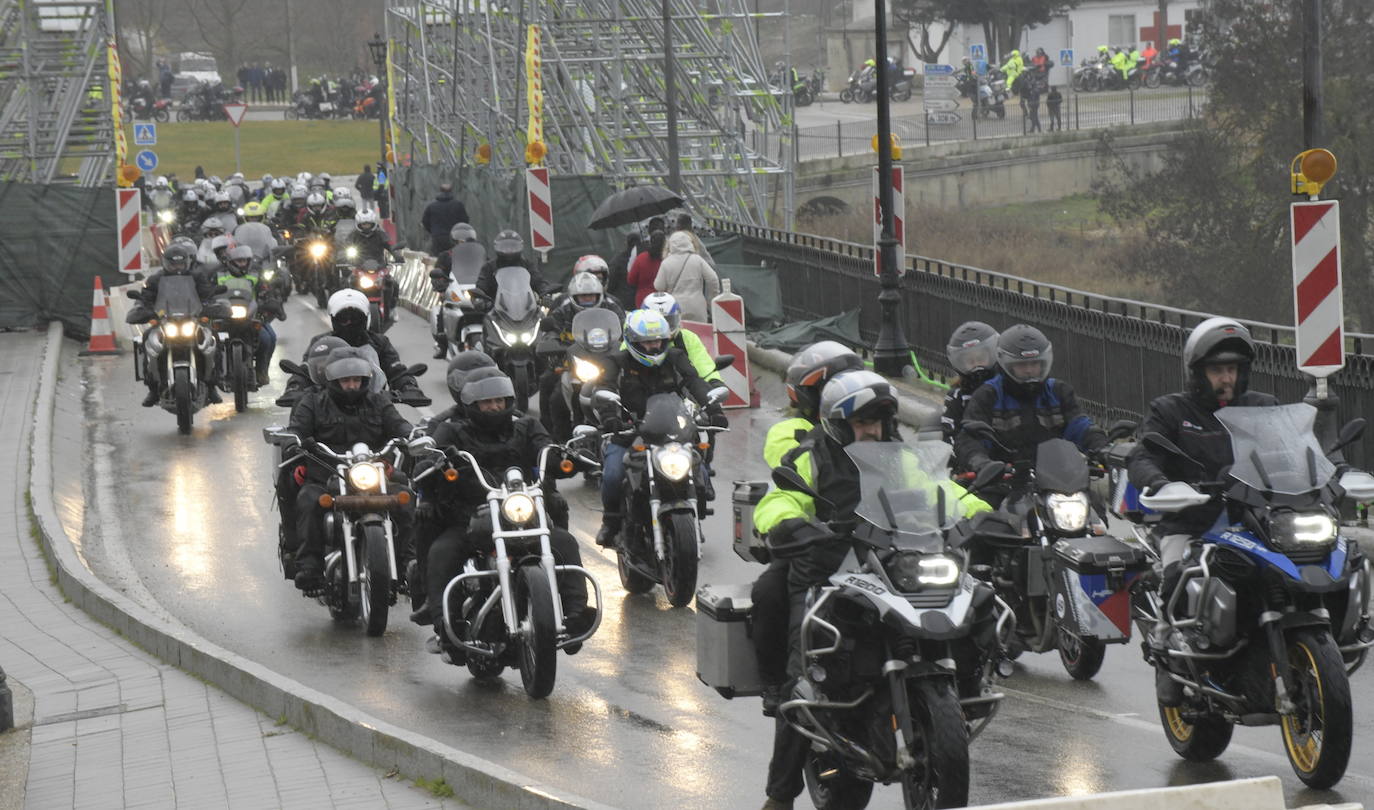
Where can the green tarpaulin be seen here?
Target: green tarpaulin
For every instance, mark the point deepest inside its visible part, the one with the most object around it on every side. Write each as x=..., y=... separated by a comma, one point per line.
x=794, y=336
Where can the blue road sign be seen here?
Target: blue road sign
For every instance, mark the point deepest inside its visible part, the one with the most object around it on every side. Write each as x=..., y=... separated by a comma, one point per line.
x=1066, y=57
x=976, y=52
x=937, y=70
x=146, y=160
x=145, y=134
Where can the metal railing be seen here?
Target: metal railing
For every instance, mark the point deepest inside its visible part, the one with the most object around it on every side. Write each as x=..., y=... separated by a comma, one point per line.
x=1118, y=353
x=1078, y=111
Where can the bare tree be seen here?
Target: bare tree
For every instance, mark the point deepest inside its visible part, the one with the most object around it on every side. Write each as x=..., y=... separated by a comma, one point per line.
x=218, y=22
x=141, y=24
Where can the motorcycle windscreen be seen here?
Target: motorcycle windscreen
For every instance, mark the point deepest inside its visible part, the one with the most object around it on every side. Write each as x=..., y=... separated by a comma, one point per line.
x=176, y=295
x=900, y=491
x=468, y=259
x=161, y=199
x=514, y=298
x=597, y=330
x=1060, y=467
x=1275, y=450
x=256, y=236
x=666, y=418
x=238, y=291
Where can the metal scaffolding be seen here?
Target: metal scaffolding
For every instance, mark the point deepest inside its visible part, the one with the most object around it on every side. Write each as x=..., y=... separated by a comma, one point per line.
x=55, y=111
x=460, y=75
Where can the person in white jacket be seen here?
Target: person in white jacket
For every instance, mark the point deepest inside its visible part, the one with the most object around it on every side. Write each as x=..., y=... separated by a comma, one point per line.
x=688, y=277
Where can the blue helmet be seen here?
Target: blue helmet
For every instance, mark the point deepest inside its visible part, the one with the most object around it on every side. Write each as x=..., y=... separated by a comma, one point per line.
x=643, y=326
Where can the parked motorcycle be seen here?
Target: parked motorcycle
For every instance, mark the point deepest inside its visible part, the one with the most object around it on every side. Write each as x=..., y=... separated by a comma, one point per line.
x=1272, y=613
x=664, y=498
x=177, y=350
x=853, y=91
x=505, y=609
x=512, y=330
x=141, y=110
x=992, y=97
x=1050, y=558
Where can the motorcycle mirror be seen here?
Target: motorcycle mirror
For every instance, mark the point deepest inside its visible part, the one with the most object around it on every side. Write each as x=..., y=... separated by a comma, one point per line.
x=989, y=473
x=724, y=361
x=417, y=369
x=1121, y=429
x=787, y=478
x=132, y=295
x=604, y=397
x=291, y=367
x=984, y=432
x=1159, y=442
x=1350, y=432
x=583, y=431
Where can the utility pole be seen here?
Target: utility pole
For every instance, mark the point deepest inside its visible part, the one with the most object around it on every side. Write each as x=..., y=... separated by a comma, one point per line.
x=1311, y=73
x=291, y=51
x=891, y=350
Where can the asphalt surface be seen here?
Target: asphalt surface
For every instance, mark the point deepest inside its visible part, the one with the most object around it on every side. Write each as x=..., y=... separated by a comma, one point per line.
x=190, y=524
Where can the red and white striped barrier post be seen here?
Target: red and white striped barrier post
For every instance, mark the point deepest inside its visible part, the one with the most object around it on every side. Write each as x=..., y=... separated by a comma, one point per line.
x=102, y=331
x=1318, y=308
x=541, y=210
x=727, y=316
x=898, y=220
x=128, y=205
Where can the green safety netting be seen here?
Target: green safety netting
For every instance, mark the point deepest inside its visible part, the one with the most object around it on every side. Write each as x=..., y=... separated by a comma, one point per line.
x=794, y=336
x=57, y=239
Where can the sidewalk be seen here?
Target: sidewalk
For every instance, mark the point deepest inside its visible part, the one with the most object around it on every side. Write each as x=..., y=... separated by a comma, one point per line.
x=111, y=726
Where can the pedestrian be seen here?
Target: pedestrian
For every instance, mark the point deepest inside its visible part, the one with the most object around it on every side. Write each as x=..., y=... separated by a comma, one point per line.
x=243, y=76
x=364, y=184
x=383, y=191
x=687, y=277
x=1030, y=99
x=683, y=223
x=164, y=79
x=618, y=271
x=644, y=269
x=1052, y=102
x=439, y=218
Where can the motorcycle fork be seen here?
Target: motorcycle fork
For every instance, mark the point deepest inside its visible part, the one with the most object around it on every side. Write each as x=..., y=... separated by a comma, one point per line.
x=654, y=504
x=1278, y=665
x=895, y=669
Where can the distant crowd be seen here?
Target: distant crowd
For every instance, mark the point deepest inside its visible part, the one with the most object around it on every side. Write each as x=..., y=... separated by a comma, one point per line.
x=264, y=83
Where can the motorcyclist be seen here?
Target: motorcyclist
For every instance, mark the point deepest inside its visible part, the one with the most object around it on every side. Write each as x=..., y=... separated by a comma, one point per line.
x=1122, y=62
x=1024, y=406
x=584, y=292
x=594, y=264
x=348, y=314
x=1013, y=67
x=486, y=424
x=972, y=353
x=176, y=261
x=273, y=196
x=370, y=239
x=254, y=232
x=144, y=92
x=318, y=214
x=213, y=249
x=224, y=212
x=509, y=250
x=347, y=211
x=241, y=264
x=1104, y=55
x=649, y=365
x=439, y=277
x=288, y=211
x=854, y=406
x=807, y=373
x=345, y=413
x=190, y=212
x=687, y=340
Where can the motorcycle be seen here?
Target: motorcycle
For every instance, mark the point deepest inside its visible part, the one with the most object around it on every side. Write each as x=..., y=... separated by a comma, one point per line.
x=1067, y=580
x=899, y=648
x=238, y=337
x=511, y=330
x=664, y=497
x=854, y=90
x=596, y=336
x=373, y=279
x=1272, y=614
x=992, y=97
x=463, y=321
x=303, y=107
x=311, y=266
x=159, y=110
x=360, y=566
x=505, y=608
x=177, y=350
x=1085, y=77
x=1174, y=73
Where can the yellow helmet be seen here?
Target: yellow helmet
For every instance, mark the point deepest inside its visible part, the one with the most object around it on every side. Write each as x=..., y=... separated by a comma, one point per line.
x=1175, y=41
x=253, y=209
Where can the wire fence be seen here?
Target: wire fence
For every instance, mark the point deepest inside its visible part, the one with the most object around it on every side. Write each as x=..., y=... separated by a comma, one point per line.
x=1077, y=111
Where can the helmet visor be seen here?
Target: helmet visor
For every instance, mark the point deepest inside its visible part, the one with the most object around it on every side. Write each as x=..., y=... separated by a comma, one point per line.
x=495, y=387
x=966, y=359
x=1028, y=369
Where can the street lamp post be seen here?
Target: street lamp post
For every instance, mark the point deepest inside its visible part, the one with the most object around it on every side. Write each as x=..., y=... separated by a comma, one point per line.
x=891, y=351
x=377, y=46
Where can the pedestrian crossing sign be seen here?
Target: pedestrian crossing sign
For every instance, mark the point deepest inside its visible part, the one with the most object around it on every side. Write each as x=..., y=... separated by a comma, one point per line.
x=145, y=134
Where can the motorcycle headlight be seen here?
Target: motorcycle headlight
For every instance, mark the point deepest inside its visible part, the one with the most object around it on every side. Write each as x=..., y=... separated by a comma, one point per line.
x=527, y=337
x=673, y=461
x=268, y=275
x=910, y=571
x=1294, y=530
x=285, y=234
x=518, y=508
x=366, y=282
x=364, y=476
x=166, y=217
x=351, y=253
x=317, y=250
x=237, y=311
x=586, y=371
x=179, y=329
x=1068, y=513
x=240, y=212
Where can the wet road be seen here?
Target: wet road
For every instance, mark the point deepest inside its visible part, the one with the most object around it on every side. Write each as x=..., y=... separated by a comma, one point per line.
x=191, y=524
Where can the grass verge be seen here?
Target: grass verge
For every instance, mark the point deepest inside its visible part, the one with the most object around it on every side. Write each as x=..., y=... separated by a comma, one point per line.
x=265, y=147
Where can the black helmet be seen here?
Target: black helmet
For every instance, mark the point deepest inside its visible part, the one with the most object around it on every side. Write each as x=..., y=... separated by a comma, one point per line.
x=481, y=385
x=1025, y=356
x=240, y=260
x=507, y=245
x=1216, y=341
x=318, y=355
x=347, y=362
x=176, y=260
x=972, y=350
x=811, y=368
x=460, y=366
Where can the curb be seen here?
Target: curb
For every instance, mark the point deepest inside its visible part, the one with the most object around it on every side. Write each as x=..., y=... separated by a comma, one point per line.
x=915, y=407
x=474, y=780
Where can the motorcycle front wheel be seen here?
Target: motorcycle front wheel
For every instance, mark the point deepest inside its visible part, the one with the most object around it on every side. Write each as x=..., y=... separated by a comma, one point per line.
x=1197, y=78
x=183, y=116
x=838, y=790
x=162, y=116
x=1152, y=78
x=1081, y=657
x=847, y=96
x=374, y=580
x=538, y=644
x=181, y=392
x=238, y=372
x=939, y=778
x=375, y=325
x=901, y=95
x=520, y=380
x=1318, y=736
x=680, y=558
x=1199, y=738
x=290, y=114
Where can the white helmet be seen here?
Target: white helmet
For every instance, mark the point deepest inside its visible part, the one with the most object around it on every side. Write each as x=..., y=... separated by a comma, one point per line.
x=591, y=263
x=347, y=299
x=315, y=202
x=343, y=193
x=161, y=182
x=668, y=305
x=585, y=284
x=366, y=217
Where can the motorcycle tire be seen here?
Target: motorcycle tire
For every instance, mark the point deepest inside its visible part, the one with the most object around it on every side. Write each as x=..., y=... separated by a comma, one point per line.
x=1001, y=110
x=941, y=743
x=238, y=372
x=375, y=324
x=1153, y=79
x=290, y=114
x=630, y=579
x=341, y=609
x=1199, y=739
x=847, y=96
x=538, y=649
x=374, y=580
x=520, y=379
x=1318, y=738
x=802, y=99
x=162, y=116
x=680, y=557
x=1081, y=657
x=839, y=791
x=901, y=95
x=1133, y=83
x=1078, y=84
x=181, y=392
x=1197, y=78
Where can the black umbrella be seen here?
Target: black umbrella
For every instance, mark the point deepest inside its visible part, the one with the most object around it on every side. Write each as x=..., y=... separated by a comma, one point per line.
x=632, y=205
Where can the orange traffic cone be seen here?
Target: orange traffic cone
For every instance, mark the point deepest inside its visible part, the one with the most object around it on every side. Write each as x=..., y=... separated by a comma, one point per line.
x=102, y=331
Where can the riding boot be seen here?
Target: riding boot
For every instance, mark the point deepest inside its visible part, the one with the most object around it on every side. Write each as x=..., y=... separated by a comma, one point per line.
x=440, y=347
x=610, y=527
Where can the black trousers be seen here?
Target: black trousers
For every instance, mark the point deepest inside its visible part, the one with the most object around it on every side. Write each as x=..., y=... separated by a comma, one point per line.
x=785, y=780
x=769, y=620
x=454, y=545
x=310, y=528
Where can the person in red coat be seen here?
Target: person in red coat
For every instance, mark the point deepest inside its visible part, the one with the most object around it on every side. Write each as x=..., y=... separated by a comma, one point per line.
x=644, y=269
